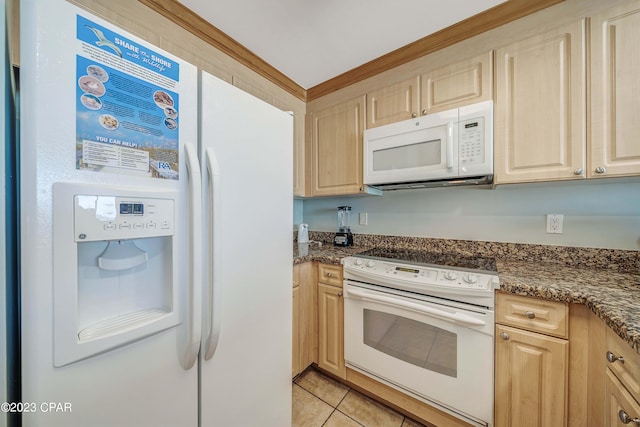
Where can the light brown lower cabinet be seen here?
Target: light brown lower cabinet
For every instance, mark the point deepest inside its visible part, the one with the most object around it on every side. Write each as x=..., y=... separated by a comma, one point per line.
x=331, y=330
x=295, y=358
x=620, y=408
x=331, y=321
x=305, y=317
x=531, y=378
x=621, y=364
x=531, y=367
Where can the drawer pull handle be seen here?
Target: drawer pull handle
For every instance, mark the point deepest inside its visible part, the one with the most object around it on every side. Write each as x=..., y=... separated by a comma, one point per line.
x=530, y=314
x=626, y=419
x=329, y=274
x=612, y=357
x=504, y=335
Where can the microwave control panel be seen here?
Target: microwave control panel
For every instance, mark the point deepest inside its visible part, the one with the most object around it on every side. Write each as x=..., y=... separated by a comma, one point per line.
x=119, y=218
x=471, y=135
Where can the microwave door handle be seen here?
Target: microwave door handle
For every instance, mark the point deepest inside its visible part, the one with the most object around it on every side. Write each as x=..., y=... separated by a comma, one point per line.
x=418, y=308
x=450, y=145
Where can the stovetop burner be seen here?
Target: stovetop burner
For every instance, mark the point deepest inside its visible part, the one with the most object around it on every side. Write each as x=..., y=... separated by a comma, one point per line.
x=413, y=256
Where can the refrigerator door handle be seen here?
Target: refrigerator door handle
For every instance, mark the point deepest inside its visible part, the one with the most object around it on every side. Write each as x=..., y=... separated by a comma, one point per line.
x=212, y=302
x=194, y=300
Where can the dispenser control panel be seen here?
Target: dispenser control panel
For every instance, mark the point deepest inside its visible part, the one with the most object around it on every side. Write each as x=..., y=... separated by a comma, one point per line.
x=119, y=218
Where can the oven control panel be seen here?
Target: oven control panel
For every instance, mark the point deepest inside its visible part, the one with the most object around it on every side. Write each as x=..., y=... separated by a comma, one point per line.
x=378, y=271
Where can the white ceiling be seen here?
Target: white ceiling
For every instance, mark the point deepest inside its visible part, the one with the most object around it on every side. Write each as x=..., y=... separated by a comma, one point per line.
x=312, y=41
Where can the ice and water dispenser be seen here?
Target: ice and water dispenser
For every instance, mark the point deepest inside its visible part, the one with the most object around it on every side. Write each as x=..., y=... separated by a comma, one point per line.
x=114, y=274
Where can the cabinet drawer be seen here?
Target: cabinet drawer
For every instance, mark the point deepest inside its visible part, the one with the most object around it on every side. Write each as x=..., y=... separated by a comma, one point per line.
x=618, y=403
x=533, y=314
x=330, y=274
x=624, y=362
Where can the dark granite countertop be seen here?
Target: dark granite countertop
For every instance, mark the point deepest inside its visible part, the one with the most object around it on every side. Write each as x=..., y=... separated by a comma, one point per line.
x=612, y=295
x=327, y=253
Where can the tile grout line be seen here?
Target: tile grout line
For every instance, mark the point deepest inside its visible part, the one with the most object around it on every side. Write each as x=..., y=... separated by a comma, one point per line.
x=351, y=418
x=325, y=421
x=316, y=397
x=375, y=401
x=321, y=399
x=347, y=415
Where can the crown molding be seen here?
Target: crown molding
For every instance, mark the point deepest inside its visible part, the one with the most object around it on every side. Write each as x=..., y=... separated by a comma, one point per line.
x=195, y=24
x=477, y=24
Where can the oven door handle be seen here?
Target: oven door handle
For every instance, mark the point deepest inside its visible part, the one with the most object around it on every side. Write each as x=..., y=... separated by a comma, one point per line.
x=418, y=308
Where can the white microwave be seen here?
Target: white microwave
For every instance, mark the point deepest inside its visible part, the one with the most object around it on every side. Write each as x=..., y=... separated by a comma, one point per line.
x=452, y=147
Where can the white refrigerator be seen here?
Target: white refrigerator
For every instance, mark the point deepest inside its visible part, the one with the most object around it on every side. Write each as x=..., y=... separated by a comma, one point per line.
x=155, y=235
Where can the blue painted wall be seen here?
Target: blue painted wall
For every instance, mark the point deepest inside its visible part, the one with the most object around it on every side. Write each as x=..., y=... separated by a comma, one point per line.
x=597, y=213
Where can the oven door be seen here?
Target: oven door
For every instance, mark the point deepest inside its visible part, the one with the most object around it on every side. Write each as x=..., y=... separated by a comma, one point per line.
x=439, y=353
x=418, y=149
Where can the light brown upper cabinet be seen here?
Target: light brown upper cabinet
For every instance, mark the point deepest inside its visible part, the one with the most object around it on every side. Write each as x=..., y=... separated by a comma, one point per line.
x=454, y=85
x=336, y=149
x=541, y=131
x=462, y=83
x=393, y=103
x=540, y=107
x=615, y=93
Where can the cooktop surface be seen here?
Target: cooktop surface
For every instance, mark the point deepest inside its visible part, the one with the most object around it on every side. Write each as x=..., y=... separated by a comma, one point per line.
x=434, y=259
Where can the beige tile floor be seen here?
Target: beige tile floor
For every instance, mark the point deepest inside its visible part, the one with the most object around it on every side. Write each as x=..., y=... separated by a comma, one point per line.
x=320, y=401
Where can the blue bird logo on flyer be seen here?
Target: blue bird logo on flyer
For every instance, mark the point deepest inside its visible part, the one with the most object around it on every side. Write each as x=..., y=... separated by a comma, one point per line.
x=127, y=104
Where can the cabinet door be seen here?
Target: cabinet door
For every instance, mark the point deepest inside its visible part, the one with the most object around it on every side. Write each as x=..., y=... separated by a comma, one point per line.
x=455, y=85
x=336, y=165
x=295, y=359
x=619, y=404
x=308, y=315
x=531, y=379
x=331, y=330
x=615, y=93
x=540, y=127
x=393, y=103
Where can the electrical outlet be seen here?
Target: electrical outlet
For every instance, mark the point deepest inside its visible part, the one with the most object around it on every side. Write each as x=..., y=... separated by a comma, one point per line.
x=554, y=223
x=364, y=217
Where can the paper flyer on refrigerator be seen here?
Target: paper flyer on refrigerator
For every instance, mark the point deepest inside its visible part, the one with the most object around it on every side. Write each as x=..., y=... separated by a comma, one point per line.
x=127, y=105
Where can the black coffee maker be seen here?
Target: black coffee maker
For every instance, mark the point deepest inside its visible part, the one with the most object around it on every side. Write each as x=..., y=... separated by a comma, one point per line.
x=343, y=237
